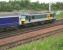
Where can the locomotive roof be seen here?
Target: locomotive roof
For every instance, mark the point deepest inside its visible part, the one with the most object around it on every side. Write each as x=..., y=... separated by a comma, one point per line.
x=17, y=14
x=36, y=14
x=8, y=14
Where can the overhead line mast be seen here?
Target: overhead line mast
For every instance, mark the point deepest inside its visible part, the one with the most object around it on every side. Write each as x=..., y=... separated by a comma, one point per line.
x=50, y=4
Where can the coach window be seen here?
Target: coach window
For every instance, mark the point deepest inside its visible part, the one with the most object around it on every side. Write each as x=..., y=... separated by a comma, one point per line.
x=45, y=16
x=23, y=17
x=38, y=16
x=27, y=17
x=33, y=17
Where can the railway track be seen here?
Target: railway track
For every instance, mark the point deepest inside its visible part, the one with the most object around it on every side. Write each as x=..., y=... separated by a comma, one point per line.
x=18, y=40
x=24, y=38
x=29, y=29
x=30, y=34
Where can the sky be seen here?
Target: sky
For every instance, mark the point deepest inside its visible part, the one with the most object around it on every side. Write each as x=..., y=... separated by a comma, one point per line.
x=47, y=1
x=42, y=1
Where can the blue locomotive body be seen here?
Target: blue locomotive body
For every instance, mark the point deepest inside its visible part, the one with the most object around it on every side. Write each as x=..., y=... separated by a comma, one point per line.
x=9, y=21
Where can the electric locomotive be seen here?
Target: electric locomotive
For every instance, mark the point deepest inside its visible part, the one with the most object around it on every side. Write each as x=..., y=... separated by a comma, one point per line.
x=23, y=19
x=36, y=18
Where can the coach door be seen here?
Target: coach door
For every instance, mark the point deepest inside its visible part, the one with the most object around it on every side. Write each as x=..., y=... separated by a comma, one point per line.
x=28, y=18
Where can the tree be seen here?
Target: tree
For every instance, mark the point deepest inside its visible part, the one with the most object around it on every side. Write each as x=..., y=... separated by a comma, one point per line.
x=27, y=5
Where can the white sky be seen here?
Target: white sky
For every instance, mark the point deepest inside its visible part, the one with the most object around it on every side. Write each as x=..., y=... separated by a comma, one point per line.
x=41, y=1
x=47, y=1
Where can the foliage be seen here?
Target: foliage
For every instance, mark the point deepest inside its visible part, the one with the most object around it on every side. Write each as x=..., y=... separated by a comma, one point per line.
x=57, y=6
x=27, y=5
x=59, y=15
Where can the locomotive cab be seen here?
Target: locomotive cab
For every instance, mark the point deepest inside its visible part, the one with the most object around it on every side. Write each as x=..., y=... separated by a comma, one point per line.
x=35, y=18
x=22, y=20
x=50, y=16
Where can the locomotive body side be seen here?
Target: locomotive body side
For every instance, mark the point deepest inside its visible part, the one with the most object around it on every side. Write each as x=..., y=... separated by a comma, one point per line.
x=9, y=21
x=33, y=18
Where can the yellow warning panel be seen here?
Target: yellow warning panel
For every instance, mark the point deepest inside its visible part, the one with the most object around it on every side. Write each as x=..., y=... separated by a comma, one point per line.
x=22, y=19
x=49, y=17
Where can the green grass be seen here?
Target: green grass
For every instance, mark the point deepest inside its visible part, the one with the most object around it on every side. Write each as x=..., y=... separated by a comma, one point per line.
x=50, y=43
x=59, y=16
